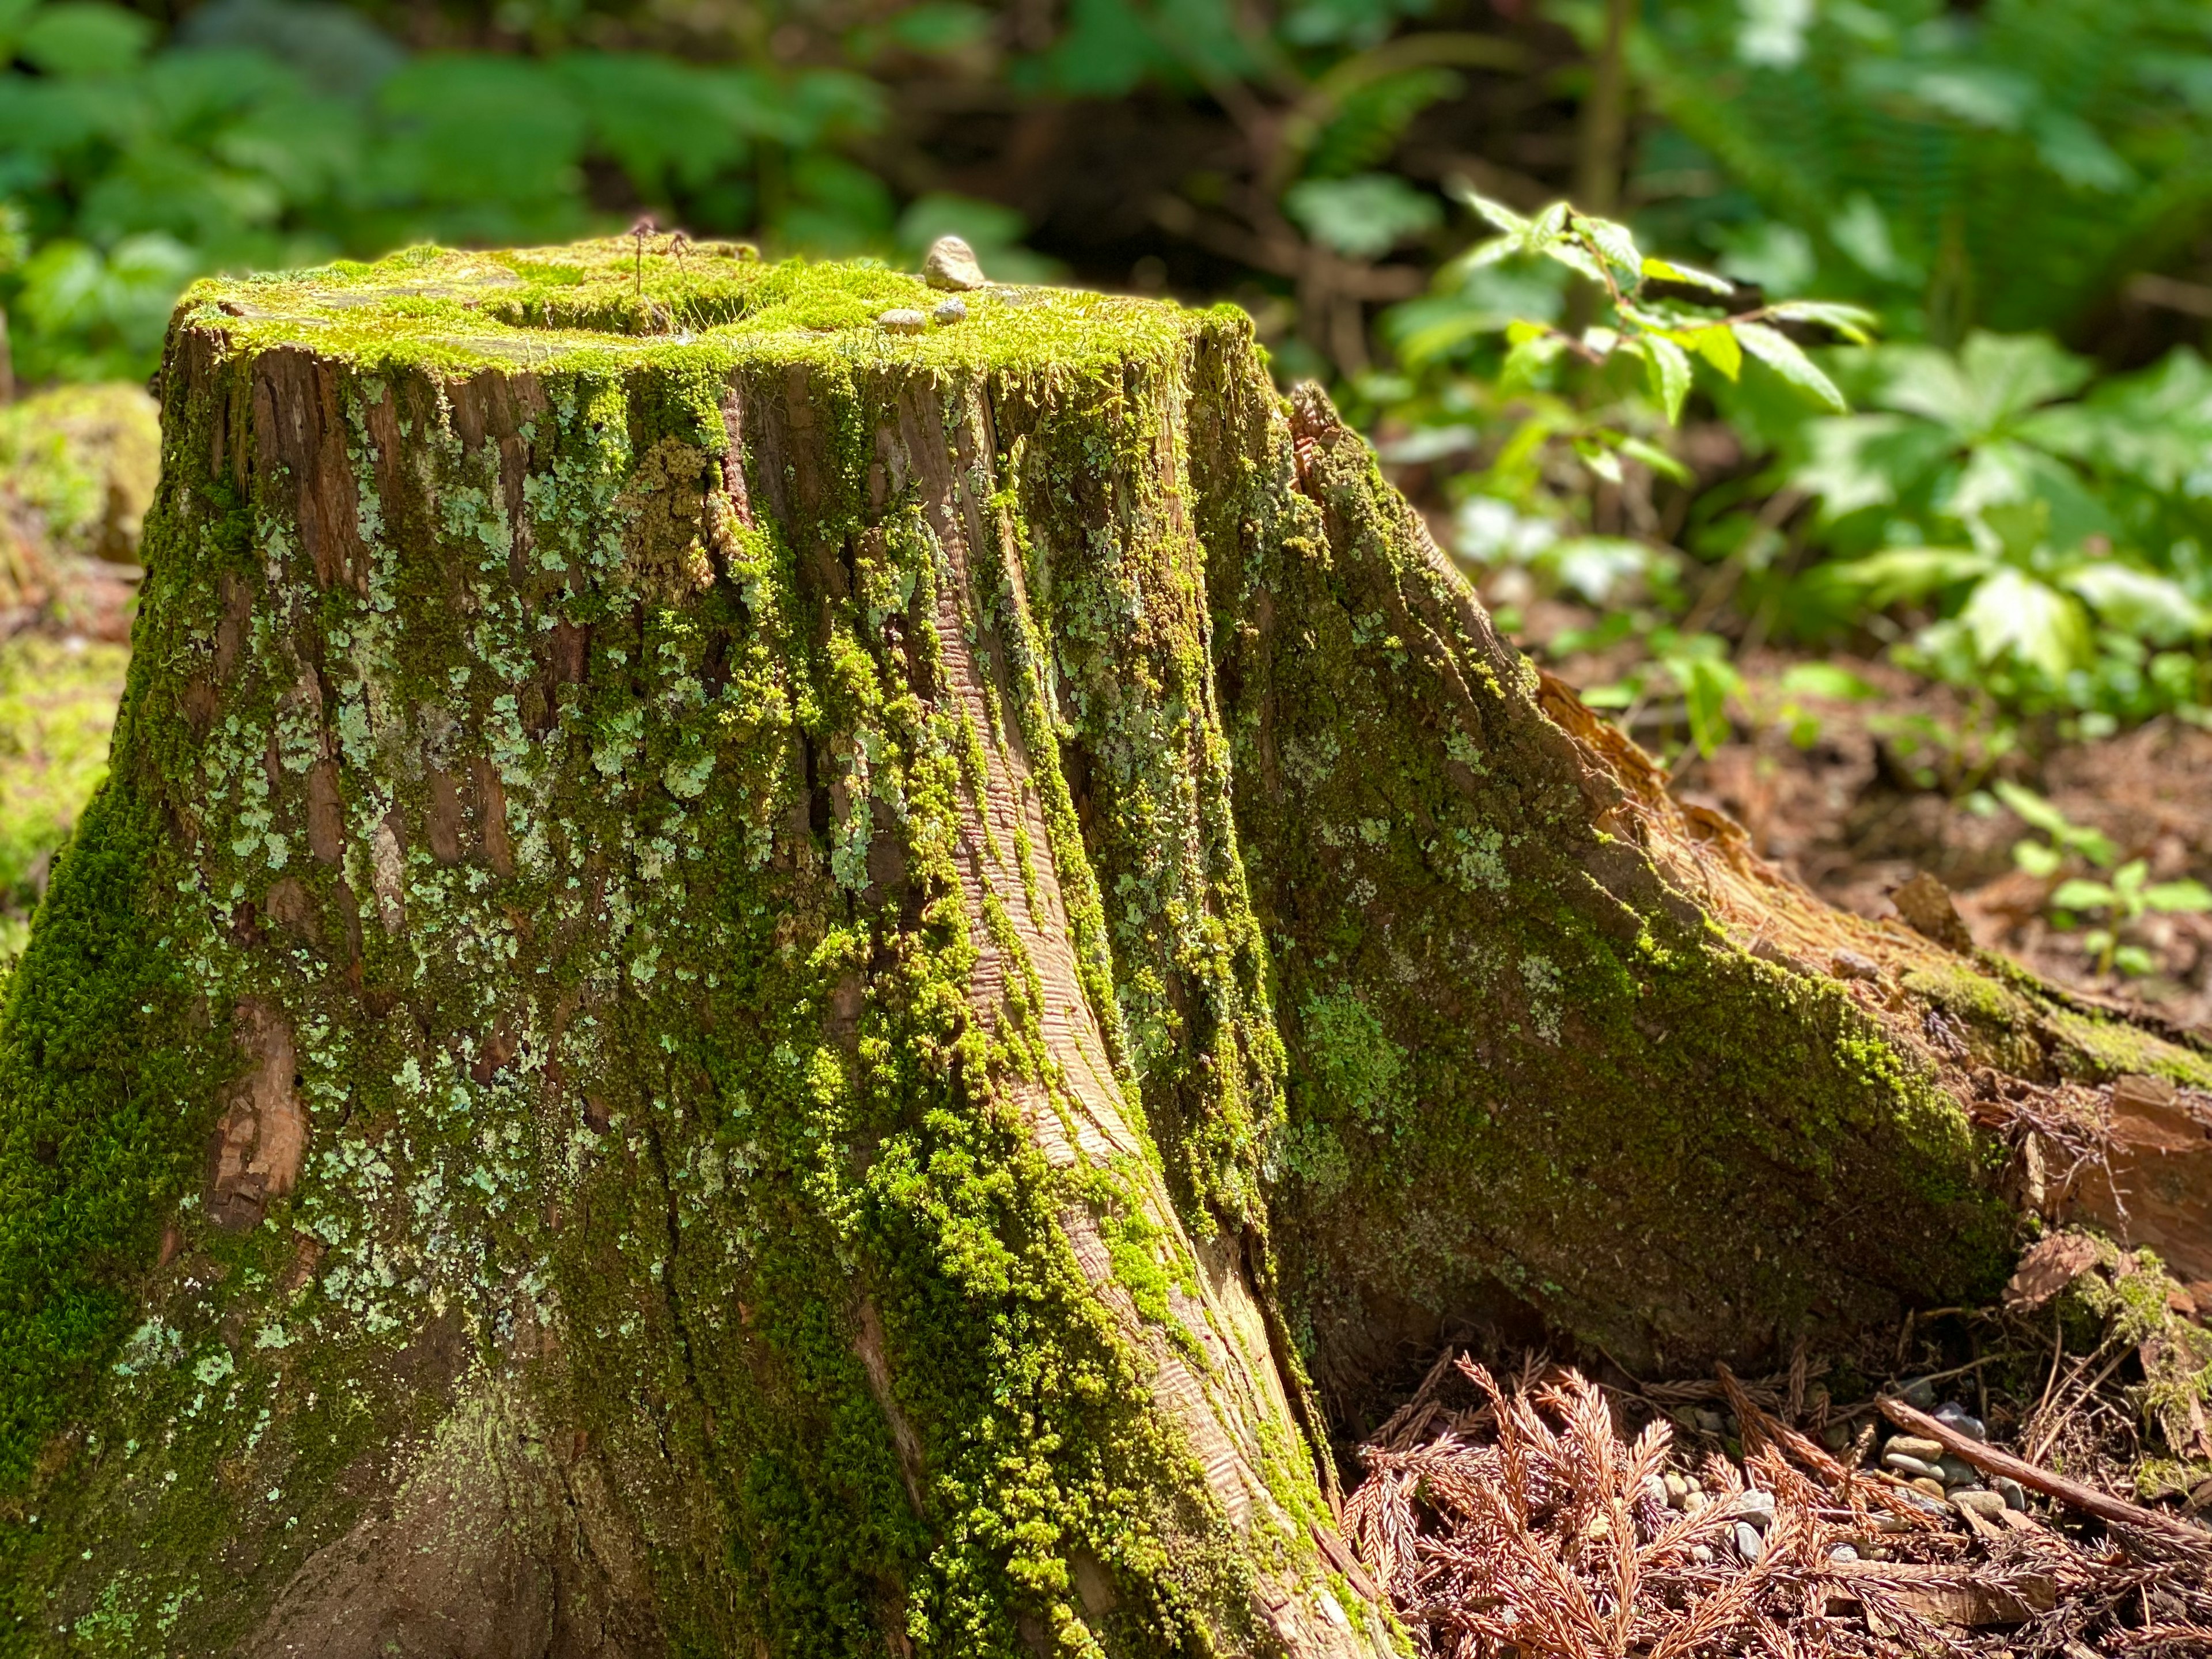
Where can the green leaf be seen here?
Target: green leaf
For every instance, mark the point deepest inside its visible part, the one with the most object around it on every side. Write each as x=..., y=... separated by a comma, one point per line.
x=1994, y=379
x=1852, y=322
x=2038, y=813
x=1613, y=241
x=2011, y=613
x=1670, y=367
x=2173, y=897
x=77, y=37
x=1495, y=213
x=1656, y=458
x=1600, y=458
x=1781, y=353
x=1707, y=683
x=1716, y=345
x=1666, y=270
x=1908, y=572
x=1364, y=216
x=2138, y=601
x=1529, y=355
x=2037, y=859
x=1822, y=679
x=2080, y=894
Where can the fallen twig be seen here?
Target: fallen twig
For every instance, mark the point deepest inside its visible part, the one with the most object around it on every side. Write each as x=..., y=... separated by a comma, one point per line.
x=1983, y=1455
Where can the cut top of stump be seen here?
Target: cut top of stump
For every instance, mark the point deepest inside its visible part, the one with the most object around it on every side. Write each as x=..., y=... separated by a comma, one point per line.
x=609, y=305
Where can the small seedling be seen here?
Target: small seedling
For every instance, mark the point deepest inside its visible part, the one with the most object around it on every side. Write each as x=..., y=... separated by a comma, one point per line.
x=2122, y=902
x=2044, y=859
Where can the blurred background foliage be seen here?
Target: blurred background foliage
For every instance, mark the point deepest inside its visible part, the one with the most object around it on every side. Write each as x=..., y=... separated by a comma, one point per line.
x=2017, y=502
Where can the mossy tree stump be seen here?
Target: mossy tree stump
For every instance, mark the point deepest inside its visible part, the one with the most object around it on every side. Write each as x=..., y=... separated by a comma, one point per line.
x=752, y=985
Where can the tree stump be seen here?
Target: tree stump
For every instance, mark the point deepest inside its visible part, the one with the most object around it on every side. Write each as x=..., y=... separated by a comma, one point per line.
x=756, y=982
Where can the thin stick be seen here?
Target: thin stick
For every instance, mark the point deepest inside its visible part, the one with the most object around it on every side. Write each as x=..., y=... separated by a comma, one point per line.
x=1864, y=1406
x=2089, y=1499
x=2052, y=1433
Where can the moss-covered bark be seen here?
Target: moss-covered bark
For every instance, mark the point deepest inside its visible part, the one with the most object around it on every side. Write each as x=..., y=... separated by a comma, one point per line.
x=747, y=984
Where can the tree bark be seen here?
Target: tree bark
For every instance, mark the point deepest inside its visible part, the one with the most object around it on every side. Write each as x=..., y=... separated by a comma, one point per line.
x=752, y=983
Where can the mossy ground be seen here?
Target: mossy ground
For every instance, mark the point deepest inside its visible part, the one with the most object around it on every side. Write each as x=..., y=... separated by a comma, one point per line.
x=57, y=700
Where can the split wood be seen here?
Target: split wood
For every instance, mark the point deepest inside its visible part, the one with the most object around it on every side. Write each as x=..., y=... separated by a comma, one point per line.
x=2103, y=1505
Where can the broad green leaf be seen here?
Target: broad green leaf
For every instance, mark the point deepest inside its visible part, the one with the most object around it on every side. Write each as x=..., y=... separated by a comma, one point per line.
x=1666, y=270
x=1520, y=331
x=1994, y=379
x=1781, y=353
x=2036, y=859
x=1716, y=345
x=2130, y=878
x=1822, y=679
x=1852, y=322
x=2137, y=601
x=1656, y=458
x=2012, y=614
x=1857, y=461
x=2080, y=894
x=1909, y=573
x=1670, y=367
x=1604, y=341
x=2172, y=898
x=79, y=37
x=1364, y=216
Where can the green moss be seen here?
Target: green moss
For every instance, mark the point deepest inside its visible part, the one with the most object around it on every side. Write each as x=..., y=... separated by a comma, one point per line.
x=637, y=1004
x=2100, y=1049
x=57, y=708
x=1611, y=1115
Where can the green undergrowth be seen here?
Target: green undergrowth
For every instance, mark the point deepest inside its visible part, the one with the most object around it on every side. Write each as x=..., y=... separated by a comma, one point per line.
x=57, y=702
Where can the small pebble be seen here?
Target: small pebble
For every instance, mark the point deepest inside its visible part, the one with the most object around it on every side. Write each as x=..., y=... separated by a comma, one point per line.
x=1987, y=1504
x=1957, y=1471
x=1850, y=964
x=1952, y=1415
x=899, y=320
x=1928, y=1451
x=1700, y=1555
x=1748, y=1543
x=1756, y=1507
x=1907, y=1465
x=1929, y=1484
x=1693, y=1501
x=949, y=311
x=950, y=262
x=1843, y=1553
x=1708, y=1421
x=2010, y=1491
x=1677, y=1488
x=1836, y=1436
x=1919, y=1393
